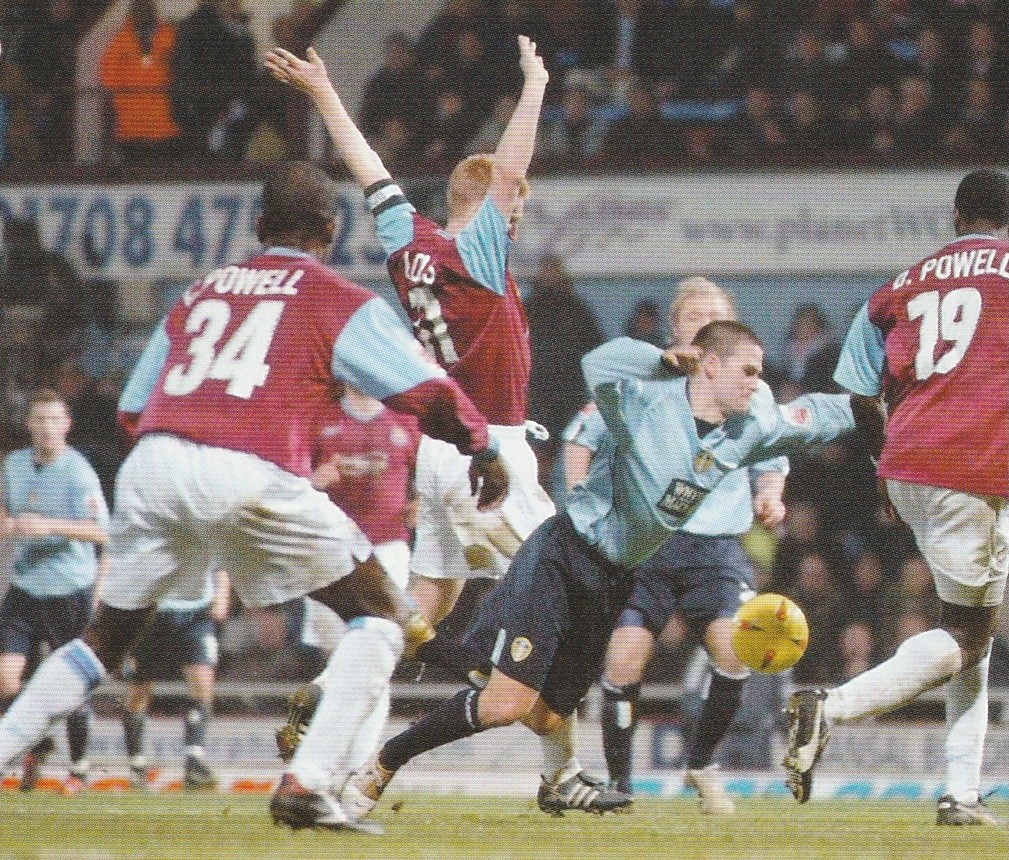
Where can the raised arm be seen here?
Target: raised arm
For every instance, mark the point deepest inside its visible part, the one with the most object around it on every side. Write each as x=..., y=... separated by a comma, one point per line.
x=515, y=149
x=310, y=77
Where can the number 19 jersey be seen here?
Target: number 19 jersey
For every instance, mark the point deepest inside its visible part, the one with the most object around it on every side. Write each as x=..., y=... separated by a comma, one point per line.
x=462, y=301
x=935, y=343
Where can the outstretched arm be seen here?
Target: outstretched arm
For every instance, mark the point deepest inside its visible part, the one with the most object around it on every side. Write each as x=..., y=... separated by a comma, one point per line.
x=515, y=149
x=310, y=77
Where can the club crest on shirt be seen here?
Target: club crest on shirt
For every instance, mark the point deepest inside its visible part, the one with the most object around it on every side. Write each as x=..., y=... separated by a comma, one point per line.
x=521, y=649
x=681, y=499
x=399, y=437
x=703, y=461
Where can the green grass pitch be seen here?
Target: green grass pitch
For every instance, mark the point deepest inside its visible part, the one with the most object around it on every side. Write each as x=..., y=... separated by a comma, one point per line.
x=44, y=826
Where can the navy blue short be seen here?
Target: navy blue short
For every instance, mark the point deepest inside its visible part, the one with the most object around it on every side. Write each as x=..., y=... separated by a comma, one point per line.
x=548, y=622
x=170, y=641
x=704, y=578
x=26, y=622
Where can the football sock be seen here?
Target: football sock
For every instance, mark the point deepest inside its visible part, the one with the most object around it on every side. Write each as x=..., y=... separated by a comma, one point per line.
x=133, y=733
x=619, y=723
x=453, y=719
x=358, y=676
x=370, y=734
x=966, y=725
x=62, y=682
x=196, y=718
x=453, y=654
x=922, y=662
x=78, y=727
x=721, y=704
x=560, y=750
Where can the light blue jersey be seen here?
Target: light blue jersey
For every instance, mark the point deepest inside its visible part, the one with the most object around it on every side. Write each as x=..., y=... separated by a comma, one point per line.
x=863, y=357
x=66, y=489
x=652, y=472
x=726, y=512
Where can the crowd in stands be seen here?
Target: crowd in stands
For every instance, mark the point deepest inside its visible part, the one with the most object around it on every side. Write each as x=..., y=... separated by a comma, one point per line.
x=635, y=84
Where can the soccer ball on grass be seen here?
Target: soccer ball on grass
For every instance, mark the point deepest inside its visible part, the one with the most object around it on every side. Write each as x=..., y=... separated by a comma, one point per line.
x=769, y=633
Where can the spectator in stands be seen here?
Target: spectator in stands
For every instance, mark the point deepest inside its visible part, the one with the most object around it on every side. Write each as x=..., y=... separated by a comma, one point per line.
x=626, y=37
x=643, y=138
x=489, y=133
x=759, y=133
x=562, y=328
x=396, y=91
x=916, y=133
x=827, y=609
x=745, y=50
x=215, y=71
x=808, y=333
x=571, y=133
x=857, y=649
x=47, y=57
x=136, y=70
x=931, y=60
x=973, y=135
x=806, y=67
x=19, y=143
x=396, y=146
x=811, y=136
x=439, y=38
x=869, y=131
x=446, y=132
x=867, y=62
x=645, y=323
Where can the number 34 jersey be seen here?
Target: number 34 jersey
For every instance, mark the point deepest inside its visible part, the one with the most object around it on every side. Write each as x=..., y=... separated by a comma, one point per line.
x=463, y=303
x=248, y=358
x=935, y=343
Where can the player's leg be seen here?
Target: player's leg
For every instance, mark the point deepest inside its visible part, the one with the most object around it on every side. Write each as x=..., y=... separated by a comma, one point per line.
x=631, y=647
x=965, y=540
x=199, y=711
x=137, y=702
x=435, y=598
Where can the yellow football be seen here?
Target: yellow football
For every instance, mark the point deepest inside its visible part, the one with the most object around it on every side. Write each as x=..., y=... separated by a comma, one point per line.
x=770, y=633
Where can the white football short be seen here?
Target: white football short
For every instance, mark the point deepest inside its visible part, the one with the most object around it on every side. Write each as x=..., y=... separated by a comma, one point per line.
x=322, y=627
x=963, y=537
x=453, y=539
x=182, y=508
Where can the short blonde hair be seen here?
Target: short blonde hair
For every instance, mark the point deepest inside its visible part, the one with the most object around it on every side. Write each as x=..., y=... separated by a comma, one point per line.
x=698, y=285
x=470, y=180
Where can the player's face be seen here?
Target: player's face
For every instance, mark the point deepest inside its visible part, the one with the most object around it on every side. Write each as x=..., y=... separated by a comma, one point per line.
x=695, y=313
x=737, y=377
x=48, y=424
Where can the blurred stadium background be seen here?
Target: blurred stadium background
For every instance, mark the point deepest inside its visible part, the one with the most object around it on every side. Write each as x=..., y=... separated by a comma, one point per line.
x=799, y=153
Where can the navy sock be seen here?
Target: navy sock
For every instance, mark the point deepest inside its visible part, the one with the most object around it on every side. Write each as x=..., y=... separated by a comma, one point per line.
x=719, y=709
x=619, y=722
x=453, y=719
x=133, y=732
x=78, y=727
x=196, y=719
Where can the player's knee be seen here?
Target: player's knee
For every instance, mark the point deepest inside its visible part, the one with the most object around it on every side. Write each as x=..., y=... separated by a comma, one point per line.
x=502, y=707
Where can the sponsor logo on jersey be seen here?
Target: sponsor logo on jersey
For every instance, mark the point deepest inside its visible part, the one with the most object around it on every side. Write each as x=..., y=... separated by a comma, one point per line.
x=521, y=649
x=399, y=437
x=703, y=461
x=681, y=499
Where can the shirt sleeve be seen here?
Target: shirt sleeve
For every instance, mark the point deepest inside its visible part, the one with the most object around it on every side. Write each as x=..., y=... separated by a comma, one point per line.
x=806, y=422
x=483, y=246
x=860, y=367
x=88, y=502
x=621, y=359
x=776, y=464
x=145, y=374
x=382, y=373
x=586, y=430
x=394, y=225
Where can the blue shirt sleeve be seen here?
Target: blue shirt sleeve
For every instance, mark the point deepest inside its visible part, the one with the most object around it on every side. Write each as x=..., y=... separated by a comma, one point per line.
x=377, y=354
x=145, y=375
x=395, y=227
x=484, y=245
x=860, y=367
x=621, y=359
x=586, y=430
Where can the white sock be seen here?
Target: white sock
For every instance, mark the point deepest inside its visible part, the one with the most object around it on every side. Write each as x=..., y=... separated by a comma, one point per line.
x=966, y=725
x=922, y=662
x=560, y=756
x=358, y=676
x=370, y=734
x=60, y=685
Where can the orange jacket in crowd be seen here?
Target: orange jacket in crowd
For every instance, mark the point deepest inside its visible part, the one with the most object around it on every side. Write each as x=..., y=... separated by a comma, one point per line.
x=139, y=83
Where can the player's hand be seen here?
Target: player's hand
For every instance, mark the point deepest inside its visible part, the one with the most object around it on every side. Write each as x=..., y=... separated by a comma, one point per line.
x=887, y=508
x=326, y=474
x=769, y=509
x=530, y=62
x=490, y=479
x=307, y=75
x=683, y=360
